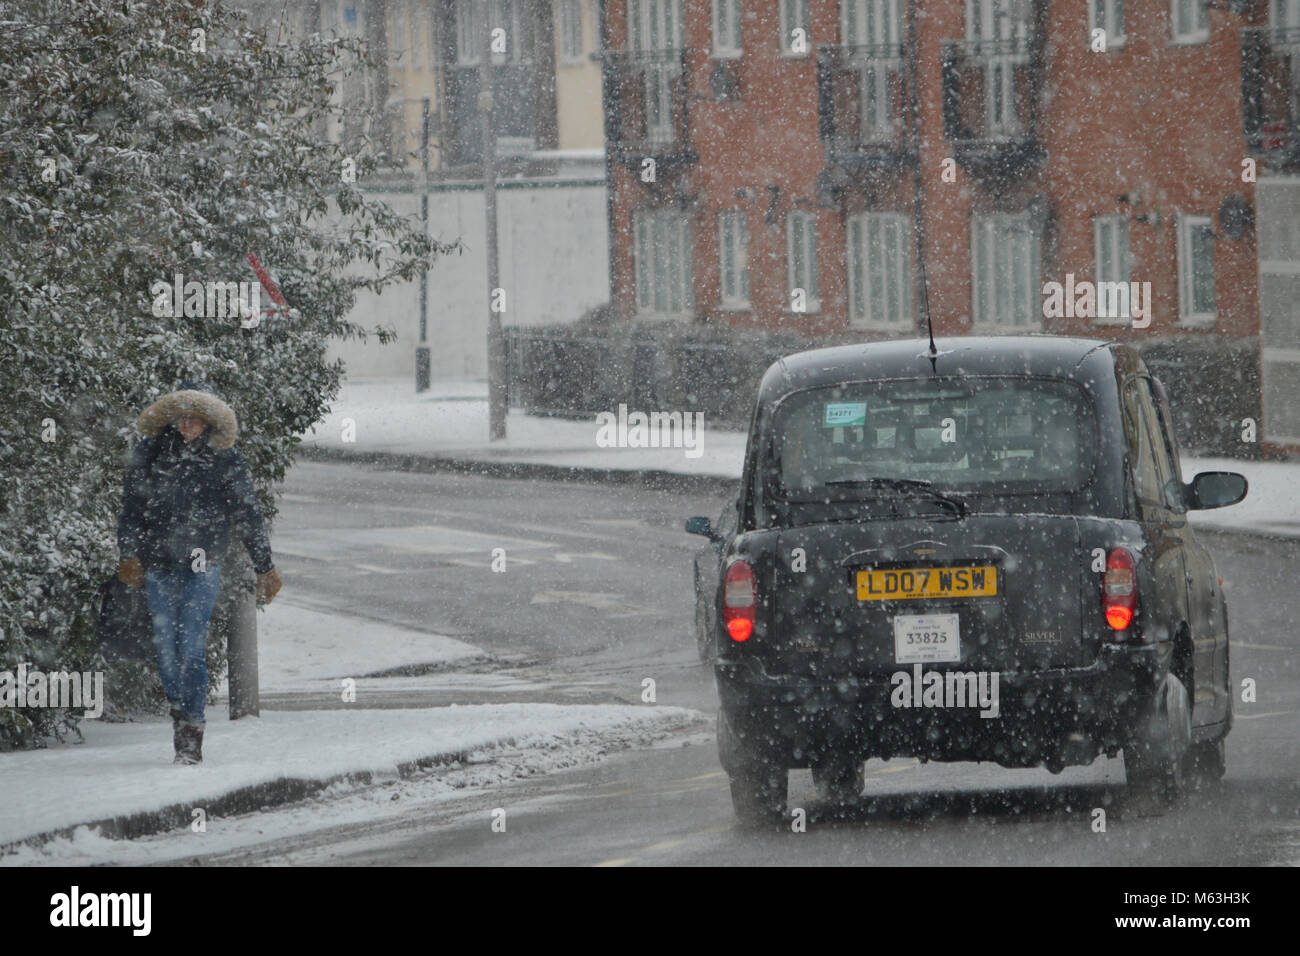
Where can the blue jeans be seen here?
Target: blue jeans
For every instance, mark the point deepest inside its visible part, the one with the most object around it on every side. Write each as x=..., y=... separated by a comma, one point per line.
x=180, y=603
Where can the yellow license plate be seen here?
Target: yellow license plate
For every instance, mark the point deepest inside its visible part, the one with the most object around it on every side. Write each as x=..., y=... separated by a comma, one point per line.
x=906, y=584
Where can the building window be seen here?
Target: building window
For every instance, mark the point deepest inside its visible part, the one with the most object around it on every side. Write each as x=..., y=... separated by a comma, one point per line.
x=793, y=15
x=733, y=260
x=1110, y=242
x=503, y=14
x=872, y=32
x=726, y=28
x=416, y=18
x=571, y=31
x=1196, y=270
x=999, y=30
x=1005, y=271
x=1189, y=21
x=340, y=18
x=661, y=254
x=880, y=270
x=801, y=254
x=1107, y=15
x=654, y=25
x=871, y=23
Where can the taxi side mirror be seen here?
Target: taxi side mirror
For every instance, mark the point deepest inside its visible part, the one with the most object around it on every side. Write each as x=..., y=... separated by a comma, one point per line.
x=701, y=526
x=1216, y=489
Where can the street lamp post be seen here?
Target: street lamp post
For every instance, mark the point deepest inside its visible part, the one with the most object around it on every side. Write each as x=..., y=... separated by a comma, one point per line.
x=496, y=340
x=422, y=350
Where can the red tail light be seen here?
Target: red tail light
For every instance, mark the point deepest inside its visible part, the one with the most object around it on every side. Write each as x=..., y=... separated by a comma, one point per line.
x=739, y=600
x=1119, y=590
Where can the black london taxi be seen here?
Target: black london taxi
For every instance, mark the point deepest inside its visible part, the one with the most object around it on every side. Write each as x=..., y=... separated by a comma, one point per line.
x=972, y=552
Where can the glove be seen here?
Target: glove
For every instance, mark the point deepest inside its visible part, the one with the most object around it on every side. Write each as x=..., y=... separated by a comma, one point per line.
x=268, y=586
x=131, y=572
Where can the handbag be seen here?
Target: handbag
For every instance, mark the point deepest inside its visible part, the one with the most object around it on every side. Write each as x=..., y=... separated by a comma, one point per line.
x=125, y=628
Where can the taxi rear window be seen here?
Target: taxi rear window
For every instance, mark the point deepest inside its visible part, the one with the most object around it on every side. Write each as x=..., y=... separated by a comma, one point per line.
x=986, y=436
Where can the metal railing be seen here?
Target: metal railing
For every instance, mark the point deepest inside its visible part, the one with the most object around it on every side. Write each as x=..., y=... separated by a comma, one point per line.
x=646, y=101
x=990, y=91
x=862, y=101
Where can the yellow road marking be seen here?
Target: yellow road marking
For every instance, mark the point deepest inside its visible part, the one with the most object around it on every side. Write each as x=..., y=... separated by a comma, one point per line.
x=663, y=845
x=619, y=861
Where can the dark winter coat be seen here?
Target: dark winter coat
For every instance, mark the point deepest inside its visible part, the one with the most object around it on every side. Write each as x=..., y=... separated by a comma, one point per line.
x=183, y=495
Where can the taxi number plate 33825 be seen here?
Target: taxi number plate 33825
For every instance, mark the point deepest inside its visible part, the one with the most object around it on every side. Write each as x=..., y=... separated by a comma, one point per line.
x=926, y=638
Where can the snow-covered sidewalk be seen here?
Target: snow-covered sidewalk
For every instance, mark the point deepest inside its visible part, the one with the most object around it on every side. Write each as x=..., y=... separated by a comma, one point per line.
x=122, y=776
x=451, y=422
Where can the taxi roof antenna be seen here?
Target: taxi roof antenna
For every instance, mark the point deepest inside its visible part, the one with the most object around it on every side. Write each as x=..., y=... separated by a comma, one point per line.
x=917, y=192
x=925, y=310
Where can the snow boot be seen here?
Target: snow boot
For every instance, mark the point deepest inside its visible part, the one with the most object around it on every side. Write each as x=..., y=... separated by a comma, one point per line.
x=190, y=750
x=178, y=716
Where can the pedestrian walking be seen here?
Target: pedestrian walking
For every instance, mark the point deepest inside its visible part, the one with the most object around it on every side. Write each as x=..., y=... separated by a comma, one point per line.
x=185, y=486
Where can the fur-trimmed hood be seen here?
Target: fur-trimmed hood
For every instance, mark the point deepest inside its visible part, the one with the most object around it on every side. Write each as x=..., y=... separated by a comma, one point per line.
x=191, y=401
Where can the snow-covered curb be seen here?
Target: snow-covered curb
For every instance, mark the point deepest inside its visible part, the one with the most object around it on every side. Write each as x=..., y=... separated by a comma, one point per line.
x=121, y=780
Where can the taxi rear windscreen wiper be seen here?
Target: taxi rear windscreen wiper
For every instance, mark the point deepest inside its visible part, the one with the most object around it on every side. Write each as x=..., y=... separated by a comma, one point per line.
x=906, y=485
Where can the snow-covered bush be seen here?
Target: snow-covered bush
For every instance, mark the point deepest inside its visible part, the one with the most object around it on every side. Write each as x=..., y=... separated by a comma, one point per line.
x=140, y=140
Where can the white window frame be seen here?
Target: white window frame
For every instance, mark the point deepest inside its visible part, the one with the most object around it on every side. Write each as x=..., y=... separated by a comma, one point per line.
x=986, y=231
x=1199, y=32
x=467, y=32
x=669, y=235
x=1110, y=11
x=876, y=123
x=884, y=16
x=572, y=42
x=792, y=14
x=733, y=246
x=350, y=92
x=654, y=26
x=1186, y=278
x=1284, y=23
x=994, y=20
x=869, y=275
x=1110, y=236
x=804, y=224
x=728, y=40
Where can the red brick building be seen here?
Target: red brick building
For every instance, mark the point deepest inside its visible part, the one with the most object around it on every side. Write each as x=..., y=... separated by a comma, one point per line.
x=788, y=163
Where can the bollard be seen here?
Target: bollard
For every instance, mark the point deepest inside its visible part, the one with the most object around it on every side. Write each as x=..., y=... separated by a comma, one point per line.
x=235, y=619
x=241, y=652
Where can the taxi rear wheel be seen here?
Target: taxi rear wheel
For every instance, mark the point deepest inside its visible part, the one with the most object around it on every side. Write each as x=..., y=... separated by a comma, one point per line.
x=1155, y=765
x=758, y=794
x=758, y=787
